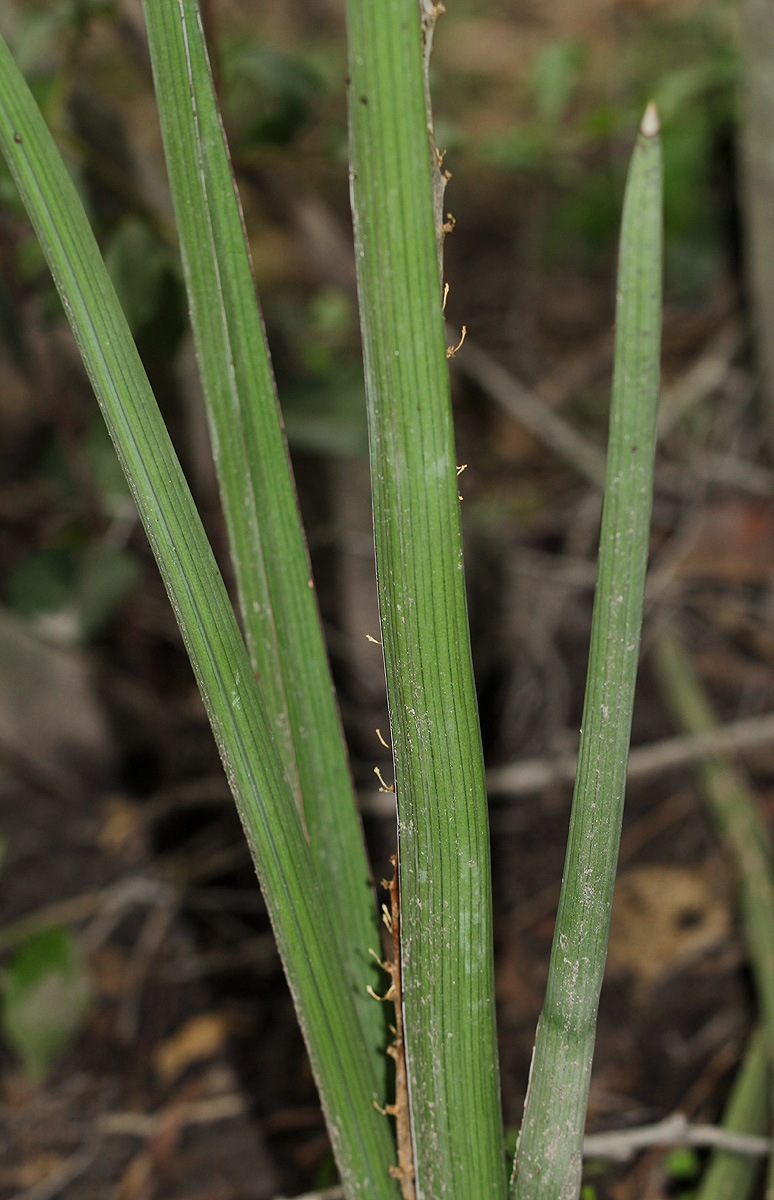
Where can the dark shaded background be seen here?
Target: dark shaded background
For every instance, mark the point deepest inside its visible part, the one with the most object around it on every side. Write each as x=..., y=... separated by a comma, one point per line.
x=187, y=1077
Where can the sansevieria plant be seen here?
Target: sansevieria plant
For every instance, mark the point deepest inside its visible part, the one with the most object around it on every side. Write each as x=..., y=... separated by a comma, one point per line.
x=435, y=1132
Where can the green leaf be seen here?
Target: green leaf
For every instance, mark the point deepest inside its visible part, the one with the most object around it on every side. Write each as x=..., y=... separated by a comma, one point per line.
x=550, y=1155
x=268, y=549
x=46, y=996
x=245, y=735
x=747, y=1111
x=740, y=821
x=443, y=835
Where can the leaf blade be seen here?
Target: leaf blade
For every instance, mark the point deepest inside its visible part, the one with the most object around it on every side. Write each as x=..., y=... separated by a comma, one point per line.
x=361, y=1136
x=274, y=578
x=445, y=887
x=549, y=1155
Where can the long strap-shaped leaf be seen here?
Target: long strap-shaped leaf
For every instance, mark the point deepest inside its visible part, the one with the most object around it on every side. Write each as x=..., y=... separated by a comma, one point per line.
x=445, y=888
x=746, y=1111
x=277, y=599
x=549, y=1156
x=361, y=1136
x=738, y=816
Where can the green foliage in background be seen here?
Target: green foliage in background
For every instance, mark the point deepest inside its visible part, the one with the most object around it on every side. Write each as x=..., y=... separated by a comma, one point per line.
x=270, y=96
x=74, y=591
x=569, y=142
x=46, y=995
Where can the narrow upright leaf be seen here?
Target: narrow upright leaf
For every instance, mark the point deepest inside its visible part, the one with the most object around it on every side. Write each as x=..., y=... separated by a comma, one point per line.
x=361, y=1136
x=739, y=819
x=747, y=1111
x=443, y=835
x=549, y=1155
x=277, y=599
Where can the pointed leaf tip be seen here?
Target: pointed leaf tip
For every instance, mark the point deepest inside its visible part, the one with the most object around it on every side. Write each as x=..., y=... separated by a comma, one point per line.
x=650, y=125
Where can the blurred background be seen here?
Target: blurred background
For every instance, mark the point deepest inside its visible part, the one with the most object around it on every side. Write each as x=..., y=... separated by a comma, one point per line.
x=149, y=1048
